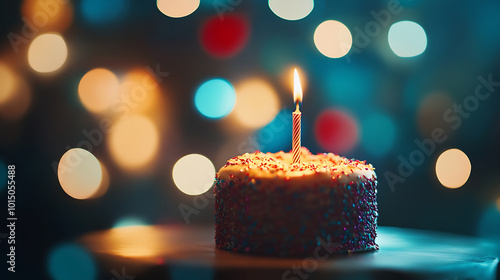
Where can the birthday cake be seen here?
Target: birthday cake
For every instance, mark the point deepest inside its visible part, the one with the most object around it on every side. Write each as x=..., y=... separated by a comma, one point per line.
x=266, y=205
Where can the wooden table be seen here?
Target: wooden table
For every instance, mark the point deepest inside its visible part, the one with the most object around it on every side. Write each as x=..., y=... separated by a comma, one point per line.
x=188, y=252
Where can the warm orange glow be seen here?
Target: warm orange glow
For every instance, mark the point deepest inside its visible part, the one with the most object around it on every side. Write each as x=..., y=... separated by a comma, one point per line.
x=139, y=92
x=48, y=15
x=498, y=204
x=256, y=103
x=177, y=8
x=453, y=168
x=297, y=88
x=134, y=241
x=134, y=141
x=79, y=173
x=98, y=90
x=15, y=94
x=8, y=83
x=47, y=53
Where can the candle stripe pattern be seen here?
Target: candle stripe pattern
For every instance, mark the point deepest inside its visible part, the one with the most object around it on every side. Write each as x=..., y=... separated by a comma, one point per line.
x=296, y=136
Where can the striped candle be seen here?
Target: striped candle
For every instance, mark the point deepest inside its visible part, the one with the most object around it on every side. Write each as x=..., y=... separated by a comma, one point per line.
x=297, y=115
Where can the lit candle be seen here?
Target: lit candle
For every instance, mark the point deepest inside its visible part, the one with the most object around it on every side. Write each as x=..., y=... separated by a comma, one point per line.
x=297, y=115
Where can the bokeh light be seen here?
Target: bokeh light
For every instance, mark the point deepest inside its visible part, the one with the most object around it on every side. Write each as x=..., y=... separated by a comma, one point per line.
x=98, y=90
x=407, y=38
x=71, y=262
x=333, y=39
x=453, y=168
x=48, y=15
x=79, y=173
x=224, y=38
x=139, y=93
x=257, y=103
x=291, y=9
x=129, y=221
x=336, y=131
x=215, y=98
x=189, y=183
x=177, y=8
x=133, y=142
x=99, y=12
x=378, y=133
x=15, y=94
x=8, y=83
x=47, y=53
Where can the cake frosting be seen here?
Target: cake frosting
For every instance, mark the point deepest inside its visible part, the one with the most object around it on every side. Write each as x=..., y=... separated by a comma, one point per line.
x=265, y=204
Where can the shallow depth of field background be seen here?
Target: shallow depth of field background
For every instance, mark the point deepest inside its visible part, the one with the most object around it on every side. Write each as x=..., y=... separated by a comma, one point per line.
x=158, y=95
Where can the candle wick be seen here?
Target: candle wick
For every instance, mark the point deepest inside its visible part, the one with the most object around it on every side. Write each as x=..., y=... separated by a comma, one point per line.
x=297, y=107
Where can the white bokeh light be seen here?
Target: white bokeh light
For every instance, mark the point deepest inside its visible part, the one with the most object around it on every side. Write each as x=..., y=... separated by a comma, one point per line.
x=177, y=8
x=333, y=39
x=407, y=39
x=193, y=174
x=453, y=168
x=291, y=9
x=47, y=53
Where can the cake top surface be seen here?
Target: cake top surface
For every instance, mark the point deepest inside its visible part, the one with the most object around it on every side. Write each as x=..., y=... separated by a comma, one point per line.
x=313, y=167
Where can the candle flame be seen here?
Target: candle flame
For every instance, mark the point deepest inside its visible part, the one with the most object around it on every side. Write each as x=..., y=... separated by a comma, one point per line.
x=297, y=88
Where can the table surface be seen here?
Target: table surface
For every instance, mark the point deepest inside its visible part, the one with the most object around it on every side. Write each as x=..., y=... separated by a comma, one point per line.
x=188, y=252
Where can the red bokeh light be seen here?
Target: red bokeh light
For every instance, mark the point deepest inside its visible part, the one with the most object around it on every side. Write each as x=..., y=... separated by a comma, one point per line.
x=224, y=37
x=336, y=131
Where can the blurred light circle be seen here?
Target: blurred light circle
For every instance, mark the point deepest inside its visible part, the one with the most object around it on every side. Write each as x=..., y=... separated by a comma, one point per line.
x=98, y=90
x=47, y=53
x=193, y=174
x=215, y=98
x=129, y=221
x=8, y=83
x=378, y=134
x=71, y=262
x=139, y=92
x=79, y=173
x=257, y=103
x=336, y=131
x=103, y=12
x=177, y=8
x=15, y=94
x=133, y=141
x=291, y=9
x=453, y=168
x=407, y=39
x=48, y=15
x=225, y=37
x=333, y=39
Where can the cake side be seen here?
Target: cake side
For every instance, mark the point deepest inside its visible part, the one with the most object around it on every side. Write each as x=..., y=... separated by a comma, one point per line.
x=325, y=201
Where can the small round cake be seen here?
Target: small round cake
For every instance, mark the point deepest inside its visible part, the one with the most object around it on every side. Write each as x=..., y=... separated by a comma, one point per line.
x=267, y=205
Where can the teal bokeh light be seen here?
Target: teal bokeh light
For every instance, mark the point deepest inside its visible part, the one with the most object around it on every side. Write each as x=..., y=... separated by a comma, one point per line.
x=129, y=221
x=378, y=134
x=407, y=38
x=103, y=12
x=71, y=262
x=215, y=98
